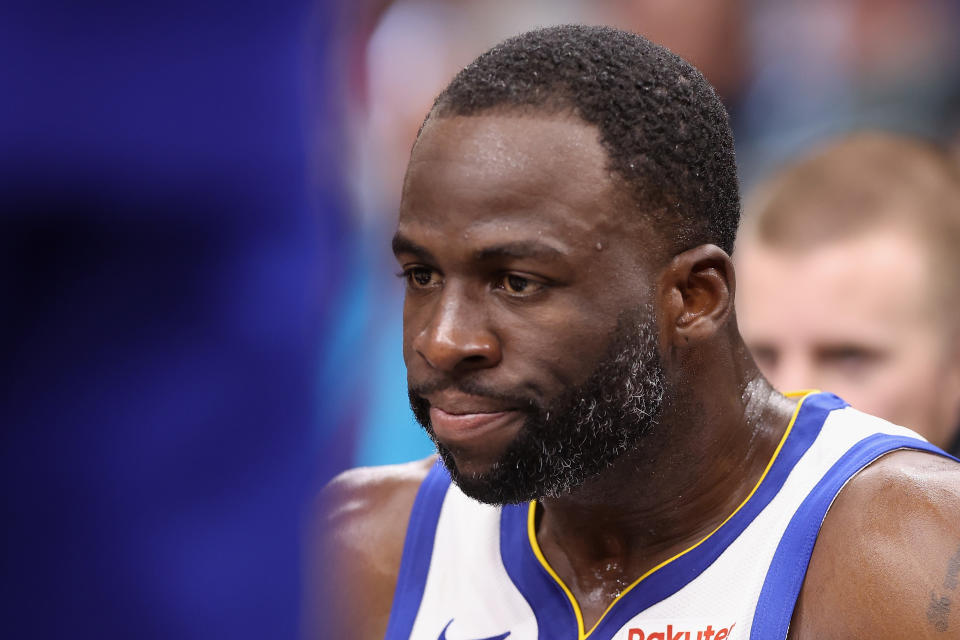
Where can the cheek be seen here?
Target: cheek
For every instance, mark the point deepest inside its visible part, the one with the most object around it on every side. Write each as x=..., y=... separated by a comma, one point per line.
x=415, y=318
x=407, y=349
x=900, y=389
x=407, y=332
x=564, y=344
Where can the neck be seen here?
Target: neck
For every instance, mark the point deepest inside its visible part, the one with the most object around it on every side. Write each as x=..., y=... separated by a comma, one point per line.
x=701, y=462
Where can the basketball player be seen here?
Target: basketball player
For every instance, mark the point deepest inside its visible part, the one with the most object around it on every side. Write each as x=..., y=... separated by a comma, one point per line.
x=848, y=266
x=611, y=462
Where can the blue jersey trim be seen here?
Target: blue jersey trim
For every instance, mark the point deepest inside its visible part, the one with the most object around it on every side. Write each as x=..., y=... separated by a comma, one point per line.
x=417, y=550
x=556, y=619
x=674, y=576
x=780, y=590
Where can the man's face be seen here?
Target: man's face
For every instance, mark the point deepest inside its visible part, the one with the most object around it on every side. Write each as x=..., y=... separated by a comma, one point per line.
x=530, y=345
x=855, y=317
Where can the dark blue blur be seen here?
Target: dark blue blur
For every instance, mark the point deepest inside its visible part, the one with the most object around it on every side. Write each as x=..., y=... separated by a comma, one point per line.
x=170, y=214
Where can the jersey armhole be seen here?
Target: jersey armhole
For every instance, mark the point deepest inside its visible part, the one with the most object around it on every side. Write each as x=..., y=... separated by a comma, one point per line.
x=781, y=588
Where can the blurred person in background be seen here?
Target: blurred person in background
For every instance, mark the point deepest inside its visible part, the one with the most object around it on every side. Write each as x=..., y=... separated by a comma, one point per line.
x=848, y=266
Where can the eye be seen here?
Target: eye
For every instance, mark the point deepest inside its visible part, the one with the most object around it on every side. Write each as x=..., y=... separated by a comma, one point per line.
x=852, y=360
x=421, y=277
x=517, y=285
x=765, y=355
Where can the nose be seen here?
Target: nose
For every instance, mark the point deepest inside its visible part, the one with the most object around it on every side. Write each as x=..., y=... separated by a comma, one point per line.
x=457, y=336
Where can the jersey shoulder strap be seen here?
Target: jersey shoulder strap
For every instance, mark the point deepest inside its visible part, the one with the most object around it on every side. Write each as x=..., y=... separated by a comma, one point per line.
x=417, y=550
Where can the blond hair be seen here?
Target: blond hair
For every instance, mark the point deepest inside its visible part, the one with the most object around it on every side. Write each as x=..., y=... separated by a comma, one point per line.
x=862, y=182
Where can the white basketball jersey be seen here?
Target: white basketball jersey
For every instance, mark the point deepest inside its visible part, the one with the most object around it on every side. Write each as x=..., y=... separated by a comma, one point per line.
x=475, y=572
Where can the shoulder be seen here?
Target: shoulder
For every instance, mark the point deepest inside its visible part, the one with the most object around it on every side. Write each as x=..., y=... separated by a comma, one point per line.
x=366, y=497
x=888, y=554
x=355, y=543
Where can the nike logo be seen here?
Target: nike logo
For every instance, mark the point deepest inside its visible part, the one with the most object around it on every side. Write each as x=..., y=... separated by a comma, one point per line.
x=443, y=634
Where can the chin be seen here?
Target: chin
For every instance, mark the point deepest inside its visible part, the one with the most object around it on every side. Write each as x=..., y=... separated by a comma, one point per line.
x=468, y=464
x=472, y=468
x=481, y=479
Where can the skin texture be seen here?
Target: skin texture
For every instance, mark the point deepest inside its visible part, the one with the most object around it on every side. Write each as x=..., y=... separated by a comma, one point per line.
x=884, y=346
x=492, y=198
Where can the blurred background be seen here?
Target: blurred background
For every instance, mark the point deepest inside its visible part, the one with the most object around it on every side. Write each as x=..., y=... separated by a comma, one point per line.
x=201, y=318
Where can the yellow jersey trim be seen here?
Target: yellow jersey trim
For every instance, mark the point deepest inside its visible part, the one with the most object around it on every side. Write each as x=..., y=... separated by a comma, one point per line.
x=532, y=534
x=800, y=393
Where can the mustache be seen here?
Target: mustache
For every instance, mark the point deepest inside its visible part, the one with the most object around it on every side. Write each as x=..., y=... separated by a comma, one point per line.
x=472, y=388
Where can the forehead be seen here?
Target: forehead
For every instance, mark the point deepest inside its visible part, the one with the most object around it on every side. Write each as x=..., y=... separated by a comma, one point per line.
x=875, y=286
x=472, y=171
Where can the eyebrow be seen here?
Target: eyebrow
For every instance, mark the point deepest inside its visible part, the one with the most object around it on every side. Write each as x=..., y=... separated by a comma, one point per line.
x=520, y=249
x=403, y=244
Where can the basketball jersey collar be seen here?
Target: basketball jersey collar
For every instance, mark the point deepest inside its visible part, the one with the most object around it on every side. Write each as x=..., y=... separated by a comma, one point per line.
x=558, y=615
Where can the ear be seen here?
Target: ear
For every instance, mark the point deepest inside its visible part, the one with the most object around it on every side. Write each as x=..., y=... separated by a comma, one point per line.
x=696, y=295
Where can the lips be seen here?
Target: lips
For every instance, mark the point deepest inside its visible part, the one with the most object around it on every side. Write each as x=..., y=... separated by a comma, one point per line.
x=462, y=427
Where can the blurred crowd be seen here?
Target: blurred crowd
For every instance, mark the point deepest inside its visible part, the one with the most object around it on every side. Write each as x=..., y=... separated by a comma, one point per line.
x=202, y=323
x=793, y=75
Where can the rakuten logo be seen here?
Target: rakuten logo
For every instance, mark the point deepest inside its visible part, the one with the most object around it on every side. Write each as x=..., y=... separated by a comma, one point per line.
x=707, y=633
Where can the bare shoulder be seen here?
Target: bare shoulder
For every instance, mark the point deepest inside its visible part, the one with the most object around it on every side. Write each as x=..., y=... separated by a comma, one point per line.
x=369, y=495
x=888, y=555
x=355, y=543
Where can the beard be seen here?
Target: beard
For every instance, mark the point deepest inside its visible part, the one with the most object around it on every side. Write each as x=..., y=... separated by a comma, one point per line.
x=581, y=433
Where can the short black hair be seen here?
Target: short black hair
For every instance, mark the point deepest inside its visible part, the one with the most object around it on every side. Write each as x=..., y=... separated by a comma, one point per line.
x=663, y=126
